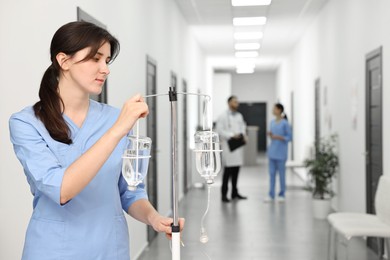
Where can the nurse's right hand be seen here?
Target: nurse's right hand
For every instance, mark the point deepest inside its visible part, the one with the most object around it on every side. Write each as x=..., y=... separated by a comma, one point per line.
x=132, y=110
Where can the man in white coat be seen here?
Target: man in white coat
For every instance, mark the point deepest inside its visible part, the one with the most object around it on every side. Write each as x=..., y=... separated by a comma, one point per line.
x=230, y=125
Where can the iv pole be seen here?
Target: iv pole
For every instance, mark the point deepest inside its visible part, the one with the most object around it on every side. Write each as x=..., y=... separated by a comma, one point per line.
x=176, y=240
x=175, y=188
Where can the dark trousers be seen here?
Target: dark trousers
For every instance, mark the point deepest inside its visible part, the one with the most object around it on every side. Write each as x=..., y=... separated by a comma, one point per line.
x=227, y=173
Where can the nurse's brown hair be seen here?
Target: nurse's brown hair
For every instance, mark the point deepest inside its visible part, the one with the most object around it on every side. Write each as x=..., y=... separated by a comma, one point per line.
x=280, y=107
x=68, y=39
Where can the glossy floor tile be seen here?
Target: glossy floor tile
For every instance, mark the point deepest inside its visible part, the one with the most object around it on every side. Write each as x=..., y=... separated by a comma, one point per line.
x=251, y=229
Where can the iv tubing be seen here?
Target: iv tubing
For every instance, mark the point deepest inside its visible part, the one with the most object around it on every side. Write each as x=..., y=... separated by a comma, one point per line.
x=155, y=95
x=136, y=149
x=203, y=230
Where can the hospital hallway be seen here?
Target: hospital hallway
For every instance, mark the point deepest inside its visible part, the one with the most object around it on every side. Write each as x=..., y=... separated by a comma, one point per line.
x=220, y=82
x=251, y=229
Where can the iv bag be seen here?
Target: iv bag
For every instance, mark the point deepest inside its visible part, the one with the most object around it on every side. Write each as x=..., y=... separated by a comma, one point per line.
x=135, y=160
x=207, y=155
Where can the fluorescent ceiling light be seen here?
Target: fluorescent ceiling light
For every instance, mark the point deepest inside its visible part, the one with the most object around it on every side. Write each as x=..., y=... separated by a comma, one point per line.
x=247, y=46
x=250, y=2
x=246, y=54
x=247, y=21
x=248, y=35
x=245, y=70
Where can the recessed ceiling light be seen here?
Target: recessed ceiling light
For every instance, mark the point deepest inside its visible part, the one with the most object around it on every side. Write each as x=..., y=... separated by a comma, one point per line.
x=247, y=21
x=245, y=70
x=247, y=46
x=250, y=2
x=246, y=65
x=248, y=35
x=246, y=54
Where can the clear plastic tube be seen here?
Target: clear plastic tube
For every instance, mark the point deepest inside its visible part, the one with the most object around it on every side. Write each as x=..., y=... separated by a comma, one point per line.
x=203, y=233
x=207, y=124
x=137, y=147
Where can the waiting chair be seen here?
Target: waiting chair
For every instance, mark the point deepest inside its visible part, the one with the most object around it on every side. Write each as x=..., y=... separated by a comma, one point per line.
x=352, y=225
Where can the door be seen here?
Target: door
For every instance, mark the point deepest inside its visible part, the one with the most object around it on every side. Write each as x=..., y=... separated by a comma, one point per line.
x=186, y=176
x=374, y=157
x=255, y=114
x=151, y=129
x=317, y=113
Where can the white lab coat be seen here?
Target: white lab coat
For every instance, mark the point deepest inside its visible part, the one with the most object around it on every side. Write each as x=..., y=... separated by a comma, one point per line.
x=228, y=125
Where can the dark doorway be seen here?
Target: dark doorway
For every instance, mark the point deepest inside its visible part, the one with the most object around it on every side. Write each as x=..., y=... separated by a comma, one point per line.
x=255, y=114
x=186, y=176
x=317, y=113
x=374, y=157
x=151, y=129
x=84, y=16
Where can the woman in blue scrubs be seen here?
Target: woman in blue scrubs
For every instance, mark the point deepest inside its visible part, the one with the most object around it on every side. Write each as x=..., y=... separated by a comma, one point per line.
x=70, y=148
x=280, y=134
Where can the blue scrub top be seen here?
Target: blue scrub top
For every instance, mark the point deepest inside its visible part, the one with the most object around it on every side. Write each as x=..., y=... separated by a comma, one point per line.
x=90, y=226
x=278, y=148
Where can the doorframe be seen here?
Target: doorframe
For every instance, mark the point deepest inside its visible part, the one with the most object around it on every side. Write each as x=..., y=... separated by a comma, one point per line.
x=373, y=243
x=317, y=113
x=370, y=56
x=152, y=179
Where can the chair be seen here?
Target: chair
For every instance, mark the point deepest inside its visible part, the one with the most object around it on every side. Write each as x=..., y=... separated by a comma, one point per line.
x=352, y=225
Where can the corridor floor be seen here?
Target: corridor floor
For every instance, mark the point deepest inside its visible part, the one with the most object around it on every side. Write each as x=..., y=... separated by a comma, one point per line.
x=251, y=229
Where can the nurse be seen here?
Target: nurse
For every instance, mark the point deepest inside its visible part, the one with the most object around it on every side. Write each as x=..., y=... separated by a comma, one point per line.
x=70, y=148
x=280, y=135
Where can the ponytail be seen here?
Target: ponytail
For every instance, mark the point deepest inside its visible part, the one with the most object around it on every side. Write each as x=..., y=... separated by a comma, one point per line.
x=284, y=116
x=281, y=108
x=48, y=109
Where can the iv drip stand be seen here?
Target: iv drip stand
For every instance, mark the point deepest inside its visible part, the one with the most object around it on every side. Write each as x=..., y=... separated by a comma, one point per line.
x=176, y=240
x=175, y=188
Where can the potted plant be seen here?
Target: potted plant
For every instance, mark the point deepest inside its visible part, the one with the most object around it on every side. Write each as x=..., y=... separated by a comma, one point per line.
x=321, y=170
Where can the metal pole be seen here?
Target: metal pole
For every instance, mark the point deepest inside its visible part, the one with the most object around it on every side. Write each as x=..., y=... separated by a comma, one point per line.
x=175, y=190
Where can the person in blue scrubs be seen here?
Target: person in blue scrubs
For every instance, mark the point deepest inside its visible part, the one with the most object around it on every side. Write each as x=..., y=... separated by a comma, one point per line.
x=280, y=135
x=70, y=148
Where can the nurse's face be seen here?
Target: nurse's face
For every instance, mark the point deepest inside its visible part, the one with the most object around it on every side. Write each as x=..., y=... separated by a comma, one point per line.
x=277, y=111
x=90, y=75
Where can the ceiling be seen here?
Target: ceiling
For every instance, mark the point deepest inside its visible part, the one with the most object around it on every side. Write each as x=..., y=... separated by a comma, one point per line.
x=211, y=23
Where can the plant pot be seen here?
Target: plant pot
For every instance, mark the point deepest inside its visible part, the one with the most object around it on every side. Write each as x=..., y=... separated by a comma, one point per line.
x=321, y=208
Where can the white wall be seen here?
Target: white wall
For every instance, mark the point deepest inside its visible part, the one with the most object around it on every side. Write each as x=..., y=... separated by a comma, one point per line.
x=222, y=90
x=334, y=48
x=256, y=87
x=156, y=28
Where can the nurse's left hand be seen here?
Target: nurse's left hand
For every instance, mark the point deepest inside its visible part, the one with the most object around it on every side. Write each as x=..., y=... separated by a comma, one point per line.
x=163, y=224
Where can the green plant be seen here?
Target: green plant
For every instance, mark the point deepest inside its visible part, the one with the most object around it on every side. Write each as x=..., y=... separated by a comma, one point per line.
x=323, y=167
